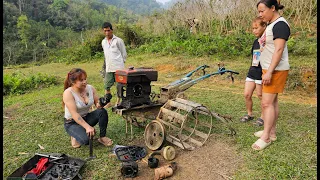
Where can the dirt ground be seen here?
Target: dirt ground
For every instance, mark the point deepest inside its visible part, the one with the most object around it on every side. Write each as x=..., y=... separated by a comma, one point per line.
x=216, y=159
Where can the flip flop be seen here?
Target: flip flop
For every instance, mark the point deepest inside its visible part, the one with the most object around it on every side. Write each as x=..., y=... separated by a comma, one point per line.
x=259, y=122
x=74, y=143
x=109, y=143
x=261, y=144
x=246, y=118
x=259, y=134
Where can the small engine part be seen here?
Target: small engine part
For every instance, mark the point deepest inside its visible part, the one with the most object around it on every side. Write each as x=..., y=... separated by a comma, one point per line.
x=129, y=169
x=153, y=162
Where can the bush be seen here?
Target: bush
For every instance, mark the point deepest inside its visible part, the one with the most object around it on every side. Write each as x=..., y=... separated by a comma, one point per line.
x=18, y=83
x=302, y=45
x=302, y=78
x=93, y=42
x=72, y=55
x=131, y=35
x=90, y=49
x=181, y=42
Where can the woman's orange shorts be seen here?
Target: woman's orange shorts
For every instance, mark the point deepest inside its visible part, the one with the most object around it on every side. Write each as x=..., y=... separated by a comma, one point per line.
x=278, y=81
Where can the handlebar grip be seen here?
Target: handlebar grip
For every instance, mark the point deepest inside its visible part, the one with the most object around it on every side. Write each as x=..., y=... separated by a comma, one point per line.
x=232, y=71
x=204, y=67
x=224, y=71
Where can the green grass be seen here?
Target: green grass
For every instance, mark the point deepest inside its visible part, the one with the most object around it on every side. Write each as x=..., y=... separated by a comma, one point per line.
x=37, y=118
x=293, y=155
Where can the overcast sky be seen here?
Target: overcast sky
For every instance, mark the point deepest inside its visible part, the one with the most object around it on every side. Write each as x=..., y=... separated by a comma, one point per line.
x=162, y=1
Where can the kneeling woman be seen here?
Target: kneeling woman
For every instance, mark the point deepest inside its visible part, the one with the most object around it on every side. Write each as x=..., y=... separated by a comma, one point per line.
x=78, y=97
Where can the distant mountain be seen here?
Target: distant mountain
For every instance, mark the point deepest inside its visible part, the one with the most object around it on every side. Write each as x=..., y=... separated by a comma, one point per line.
x=170, y=3
x=136, y=6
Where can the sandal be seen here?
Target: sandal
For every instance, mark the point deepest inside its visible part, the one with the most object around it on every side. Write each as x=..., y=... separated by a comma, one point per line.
x=259, y=122
x=246, y=118
x=261, y=144
x=74, y=143
x=105, y=141
x=259, y=134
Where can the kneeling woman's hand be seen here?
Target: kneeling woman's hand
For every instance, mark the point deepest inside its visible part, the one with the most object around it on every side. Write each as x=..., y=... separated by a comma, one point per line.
x=98, y=105
x=90, y=131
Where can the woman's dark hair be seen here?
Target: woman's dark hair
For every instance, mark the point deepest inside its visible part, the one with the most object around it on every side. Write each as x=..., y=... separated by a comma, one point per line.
x=270, y=3
x=72, y=76
x=107, y=25
x=258, y=19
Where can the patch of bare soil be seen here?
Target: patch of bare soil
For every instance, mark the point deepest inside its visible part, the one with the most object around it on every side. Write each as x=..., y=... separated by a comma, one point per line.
x=216, y=159
x=165, y=68
x=9, y=111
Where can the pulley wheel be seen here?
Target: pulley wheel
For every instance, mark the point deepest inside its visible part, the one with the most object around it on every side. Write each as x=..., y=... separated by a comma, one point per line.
x=154, y=135
x=169, y=153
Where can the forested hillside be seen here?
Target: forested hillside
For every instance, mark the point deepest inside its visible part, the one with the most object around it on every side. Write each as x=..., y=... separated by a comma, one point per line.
x=136, y=6
x=39, y=29
x=69, y=31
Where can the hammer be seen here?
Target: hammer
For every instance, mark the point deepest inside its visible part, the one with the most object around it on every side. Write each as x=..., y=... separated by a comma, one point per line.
x=91, y=150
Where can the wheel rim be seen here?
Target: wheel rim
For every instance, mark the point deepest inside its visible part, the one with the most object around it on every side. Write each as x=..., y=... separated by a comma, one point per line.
x=169, y=153
x=154, y=135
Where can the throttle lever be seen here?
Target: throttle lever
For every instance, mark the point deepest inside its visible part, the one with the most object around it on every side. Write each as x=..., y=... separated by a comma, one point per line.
x=204, y=72
x=232, y=77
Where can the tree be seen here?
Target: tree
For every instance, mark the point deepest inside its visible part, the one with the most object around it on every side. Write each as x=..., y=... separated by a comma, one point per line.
x=8, y=52
x=23, y=29
x=60, y=5
x=10, y=14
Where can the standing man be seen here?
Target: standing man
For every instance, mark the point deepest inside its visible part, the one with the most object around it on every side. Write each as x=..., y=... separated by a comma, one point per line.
x=115, y=56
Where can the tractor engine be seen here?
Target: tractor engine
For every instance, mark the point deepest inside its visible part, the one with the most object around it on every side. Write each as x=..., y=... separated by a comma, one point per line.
x=134, y=86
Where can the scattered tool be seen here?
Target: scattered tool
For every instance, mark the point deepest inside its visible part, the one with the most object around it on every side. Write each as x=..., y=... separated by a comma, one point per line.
x=168, y=153
x=129, y=169
x=165, y=171
x=153, y=162
x=91, y=150
x=49, y=156
x=130, y=153
x=51, y=166
x=41, y=167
